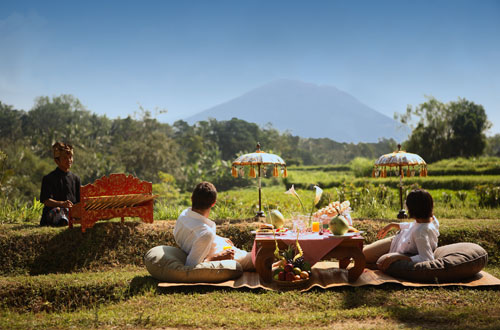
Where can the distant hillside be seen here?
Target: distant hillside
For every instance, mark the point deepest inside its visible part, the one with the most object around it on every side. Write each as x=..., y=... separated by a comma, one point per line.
x=310, y=111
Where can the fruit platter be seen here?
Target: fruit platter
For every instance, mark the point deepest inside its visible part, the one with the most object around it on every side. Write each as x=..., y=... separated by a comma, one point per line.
x=291, y=270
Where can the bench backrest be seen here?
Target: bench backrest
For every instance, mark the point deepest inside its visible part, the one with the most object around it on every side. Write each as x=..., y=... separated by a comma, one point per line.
x=116, y=184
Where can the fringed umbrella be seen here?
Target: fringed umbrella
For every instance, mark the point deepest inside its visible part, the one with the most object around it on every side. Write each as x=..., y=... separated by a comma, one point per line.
x=402, y=161
x=258, y=161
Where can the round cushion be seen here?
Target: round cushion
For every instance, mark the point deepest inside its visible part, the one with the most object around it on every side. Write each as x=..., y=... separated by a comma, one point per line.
x=167, y=263
x=452, y=263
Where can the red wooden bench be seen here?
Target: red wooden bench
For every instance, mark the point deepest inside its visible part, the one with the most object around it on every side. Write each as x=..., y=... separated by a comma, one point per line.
x=113, y=196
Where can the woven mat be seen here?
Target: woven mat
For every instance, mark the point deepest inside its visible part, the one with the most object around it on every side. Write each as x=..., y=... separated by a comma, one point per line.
x=328, y=275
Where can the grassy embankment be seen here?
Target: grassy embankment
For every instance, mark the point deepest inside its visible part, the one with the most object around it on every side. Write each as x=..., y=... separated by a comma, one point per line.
x=53, y=277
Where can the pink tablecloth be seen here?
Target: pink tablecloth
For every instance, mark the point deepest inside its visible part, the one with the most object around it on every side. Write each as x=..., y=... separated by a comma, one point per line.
x=315, y=246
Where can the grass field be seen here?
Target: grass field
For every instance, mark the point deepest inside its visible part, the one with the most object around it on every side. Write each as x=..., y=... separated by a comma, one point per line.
x=59, y=278
x=369, y=202
x=99, y=281
x=385, y=307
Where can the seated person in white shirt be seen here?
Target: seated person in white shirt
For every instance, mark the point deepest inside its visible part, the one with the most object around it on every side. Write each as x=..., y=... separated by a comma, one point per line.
x=418, y=239
x=195, y=234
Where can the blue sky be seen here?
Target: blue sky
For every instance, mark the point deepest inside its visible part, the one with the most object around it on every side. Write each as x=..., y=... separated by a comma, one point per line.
x=187, y=56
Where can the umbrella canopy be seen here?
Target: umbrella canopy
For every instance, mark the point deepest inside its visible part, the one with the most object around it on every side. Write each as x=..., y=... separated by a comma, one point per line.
x=259, y=159
x=401, y=159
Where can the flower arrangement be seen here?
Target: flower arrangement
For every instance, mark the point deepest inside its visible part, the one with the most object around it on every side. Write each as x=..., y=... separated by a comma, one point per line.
x=335, y=208
x=315, y=201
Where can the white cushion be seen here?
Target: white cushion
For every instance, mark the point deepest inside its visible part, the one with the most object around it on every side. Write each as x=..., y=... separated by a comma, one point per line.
x=167, y=263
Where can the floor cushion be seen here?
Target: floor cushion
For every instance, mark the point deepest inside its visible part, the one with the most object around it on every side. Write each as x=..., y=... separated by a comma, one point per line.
x=167, y=263
x=452, y=263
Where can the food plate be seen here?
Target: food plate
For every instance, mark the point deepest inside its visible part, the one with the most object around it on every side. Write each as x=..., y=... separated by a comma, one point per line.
x=350, y=234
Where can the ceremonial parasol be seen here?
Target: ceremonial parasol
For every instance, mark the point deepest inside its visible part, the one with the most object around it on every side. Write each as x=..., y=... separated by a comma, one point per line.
x=259, y=159
x=400, y=159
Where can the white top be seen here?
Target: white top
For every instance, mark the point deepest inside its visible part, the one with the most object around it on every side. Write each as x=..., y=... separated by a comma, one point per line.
x=195, y=235
x=419, y=239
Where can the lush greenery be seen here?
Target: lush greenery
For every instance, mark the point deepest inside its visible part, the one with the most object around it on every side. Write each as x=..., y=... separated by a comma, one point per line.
x=60, y=278
x=455, y=129
x=145, y=147
x=466, y=166
x=350, y=308
x=128, y=299
x=30, y=250
x=99, y=281
x=456, y=196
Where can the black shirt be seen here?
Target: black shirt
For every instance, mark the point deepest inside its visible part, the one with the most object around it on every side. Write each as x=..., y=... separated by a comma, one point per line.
x=60, y=186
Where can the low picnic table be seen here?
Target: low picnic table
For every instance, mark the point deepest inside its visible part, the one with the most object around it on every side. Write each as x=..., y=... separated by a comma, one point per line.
x=316, y=247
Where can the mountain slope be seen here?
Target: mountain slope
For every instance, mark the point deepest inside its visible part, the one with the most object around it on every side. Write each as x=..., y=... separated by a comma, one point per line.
x=308, y=110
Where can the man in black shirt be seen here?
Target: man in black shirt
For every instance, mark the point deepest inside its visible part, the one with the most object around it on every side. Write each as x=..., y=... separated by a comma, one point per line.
x=60, y=188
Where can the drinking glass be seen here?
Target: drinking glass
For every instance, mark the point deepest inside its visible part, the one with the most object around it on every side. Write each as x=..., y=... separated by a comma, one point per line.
x=299, y=224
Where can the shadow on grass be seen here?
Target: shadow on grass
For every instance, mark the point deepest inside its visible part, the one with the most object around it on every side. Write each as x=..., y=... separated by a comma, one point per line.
x=413, y=315
x=71, y=250
x=206, y=289
x=141, y=284
x=146, y=283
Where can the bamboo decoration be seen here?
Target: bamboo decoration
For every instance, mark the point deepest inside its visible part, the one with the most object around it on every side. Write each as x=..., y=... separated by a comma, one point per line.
x=252, y=172
x=275, y=170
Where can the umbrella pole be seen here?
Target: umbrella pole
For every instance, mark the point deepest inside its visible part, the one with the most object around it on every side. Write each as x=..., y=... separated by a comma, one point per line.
x=260, y=214
x=401, y=214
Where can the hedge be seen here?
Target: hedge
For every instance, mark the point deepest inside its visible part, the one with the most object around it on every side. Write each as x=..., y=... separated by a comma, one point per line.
x=30, y=250
x=105, y=264
x=429, y=182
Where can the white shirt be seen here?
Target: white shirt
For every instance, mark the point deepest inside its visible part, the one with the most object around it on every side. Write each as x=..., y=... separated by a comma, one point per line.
x=195, y=235
x=419, y=239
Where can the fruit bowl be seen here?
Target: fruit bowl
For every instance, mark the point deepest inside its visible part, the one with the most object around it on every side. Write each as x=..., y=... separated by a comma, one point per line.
x=291, y=271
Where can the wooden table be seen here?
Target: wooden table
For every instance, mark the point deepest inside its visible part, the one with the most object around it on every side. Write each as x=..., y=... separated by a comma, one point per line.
x=349, y=248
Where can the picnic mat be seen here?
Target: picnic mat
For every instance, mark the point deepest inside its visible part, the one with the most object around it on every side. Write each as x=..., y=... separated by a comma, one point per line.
x=327, y=275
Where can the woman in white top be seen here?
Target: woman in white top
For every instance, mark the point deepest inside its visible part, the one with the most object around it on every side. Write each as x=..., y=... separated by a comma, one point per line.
x=415, y=241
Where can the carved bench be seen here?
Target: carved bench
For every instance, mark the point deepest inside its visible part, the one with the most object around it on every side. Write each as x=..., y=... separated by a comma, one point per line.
x=113, y=196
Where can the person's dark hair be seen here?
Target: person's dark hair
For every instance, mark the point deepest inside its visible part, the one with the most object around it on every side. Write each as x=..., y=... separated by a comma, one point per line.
x=420, y=204
x=204, y=196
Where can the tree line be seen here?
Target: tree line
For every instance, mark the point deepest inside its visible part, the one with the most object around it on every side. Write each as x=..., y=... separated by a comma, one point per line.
x=448, y=130
x=179, y=154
